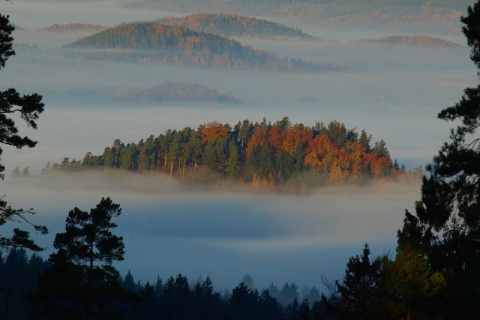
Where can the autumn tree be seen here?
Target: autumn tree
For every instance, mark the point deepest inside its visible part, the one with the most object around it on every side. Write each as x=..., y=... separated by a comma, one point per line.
x=28, y=108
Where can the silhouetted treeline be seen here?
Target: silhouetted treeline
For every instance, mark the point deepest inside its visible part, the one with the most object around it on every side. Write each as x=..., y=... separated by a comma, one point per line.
x=229, y=25
x=19, y=277
x=151, y=42
x=265, y=154
x=176, y=298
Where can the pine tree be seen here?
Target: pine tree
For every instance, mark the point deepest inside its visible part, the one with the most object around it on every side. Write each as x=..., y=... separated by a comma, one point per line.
x=81, y=282
x=352, y=298
x=446, y=224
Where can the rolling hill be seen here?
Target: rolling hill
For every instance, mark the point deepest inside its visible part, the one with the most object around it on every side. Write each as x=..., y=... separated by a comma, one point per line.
x=229, y=25
x=151, y=42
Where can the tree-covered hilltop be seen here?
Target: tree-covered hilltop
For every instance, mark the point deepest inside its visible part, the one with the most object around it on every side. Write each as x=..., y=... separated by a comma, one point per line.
x=229, y=25
x=414, y=41
x=151, y=42
x=265, y=154
x=179, y=93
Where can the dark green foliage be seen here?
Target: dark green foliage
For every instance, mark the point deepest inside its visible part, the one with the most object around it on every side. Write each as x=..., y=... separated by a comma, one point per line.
x=380, y=148
x=81, y=282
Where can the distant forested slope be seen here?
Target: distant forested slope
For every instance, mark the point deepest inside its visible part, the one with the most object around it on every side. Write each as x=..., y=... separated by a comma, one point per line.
x=279, y=155
x=245, y=6
x=439, y=13
x=151, y=42
x=414, y=41
x=229, y=25
x=179, y=93
x=418, y=12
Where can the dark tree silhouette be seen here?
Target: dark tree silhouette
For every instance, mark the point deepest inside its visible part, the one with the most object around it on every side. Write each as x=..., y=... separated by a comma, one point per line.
x=446, y=227
x=82, y=283
x=28, y=107
x=352, y=298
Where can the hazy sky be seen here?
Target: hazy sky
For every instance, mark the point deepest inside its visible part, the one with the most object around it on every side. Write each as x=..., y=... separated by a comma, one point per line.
x=394, y=94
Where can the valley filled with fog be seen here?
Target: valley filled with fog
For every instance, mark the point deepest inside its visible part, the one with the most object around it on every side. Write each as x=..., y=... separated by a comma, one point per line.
x=393, y=92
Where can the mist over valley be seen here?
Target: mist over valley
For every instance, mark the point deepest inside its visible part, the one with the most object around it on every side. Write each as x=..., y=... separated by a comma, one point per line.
x=394, y=92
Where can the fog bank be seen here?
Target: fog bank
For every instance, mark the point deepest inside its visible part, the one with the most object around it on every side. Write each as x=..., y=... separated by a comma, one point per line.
x=170, y=229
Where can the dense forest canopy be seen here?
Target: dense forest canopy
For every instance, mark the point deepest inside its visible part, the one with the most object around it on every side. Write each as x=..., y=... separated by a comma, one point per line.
x=265, y=154
x=151, y=42
x=229, y=25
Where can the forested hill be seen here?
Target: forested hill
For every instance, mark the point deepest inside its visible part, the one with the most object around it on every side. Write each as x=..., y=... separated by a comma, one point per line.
x=279, y=156
x=414, y=41
x=229, y=25
x=406, y=13
x=151, y=42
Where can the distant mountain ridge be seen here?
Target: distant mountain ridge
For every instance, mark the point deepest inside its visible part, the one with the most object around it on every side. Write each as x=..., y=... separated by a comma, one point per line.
x=229, y=25
x=435, y=13
x=151, y=42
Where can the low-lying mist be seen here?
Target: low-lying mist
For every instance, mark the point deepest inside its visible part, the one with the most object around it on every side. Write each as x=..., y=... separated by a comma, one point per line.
x=171, y=228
